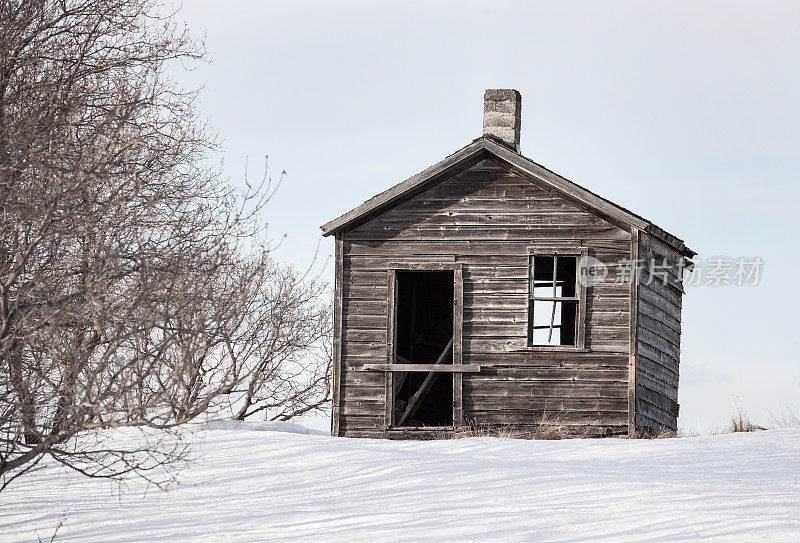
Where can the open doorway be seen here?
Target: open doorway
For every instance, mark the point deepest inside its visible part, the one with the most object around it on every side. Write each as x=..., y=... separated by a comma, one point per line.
x=424, y=336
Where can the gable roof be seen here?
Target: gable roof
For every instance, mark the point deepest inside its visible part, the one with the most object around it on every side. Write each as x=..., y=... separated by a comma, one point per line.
x=473, y=153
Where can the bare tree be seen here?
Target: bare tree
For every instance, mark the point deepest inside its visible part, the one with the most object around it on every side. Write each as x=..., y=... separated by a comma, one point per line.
x=269, y=347
x=282, y=353
x=127, y=281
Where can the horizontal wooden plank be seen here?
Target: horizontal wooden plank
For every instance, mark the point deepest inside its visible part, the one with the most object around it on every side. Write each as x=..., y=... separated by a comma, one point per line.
x=365, y=292
x=471, y=251
x=358, y=379
x=515, y=417
x=362, y=422
x=364, y=321
x=492, y=314
x=354, y=350
x=362, y=278
x=608, y=288
x=552, y=376
x=658, y=314
x=431, y=233
x=490, y=301
x=365, y=307
x=660, y=329
x=665, y=359
x=436, y=368
x=643, y=422
x=546, y=389
x=502, y=288
x=653, y=397
x=533, y=363
x=616, y=346
x=667, y=389
x=663, y=418
x=493, y=345
x=376, y=335
x=539, y=212
x=658, y=343
x=362, y=407
x=659, y=295
x=596, y=317
x=358, y=393
x=485, y=273
x=500, y=329
x=666, y=375
x=598, y=302
x=475, y=402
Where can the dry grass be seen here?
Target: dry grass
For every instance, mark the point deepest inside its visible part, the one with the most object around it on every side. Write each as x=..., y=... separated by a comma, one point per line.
x=549, y=426
x=740, y=422
x=786, y=418
x=477, y=429
x=661, y=433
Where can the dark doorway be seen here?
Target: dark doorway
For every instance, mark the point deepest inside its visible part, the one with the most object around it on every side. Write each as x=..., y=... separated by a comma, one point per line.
x=424, y=336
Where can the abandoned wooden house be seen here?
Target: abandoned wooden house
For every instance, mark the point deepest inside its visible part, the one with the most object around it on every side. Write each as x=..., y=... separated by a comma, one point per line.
x=489, y=291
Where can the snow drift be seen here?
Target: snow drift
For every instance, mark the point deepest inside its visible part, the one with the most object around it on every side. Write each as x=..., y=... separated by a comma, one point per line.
x=273, y=485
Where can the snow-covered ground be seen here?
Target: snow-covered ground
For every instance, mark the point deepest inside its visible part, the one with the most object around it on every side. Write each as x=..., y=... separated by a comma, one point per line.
x=274, y=485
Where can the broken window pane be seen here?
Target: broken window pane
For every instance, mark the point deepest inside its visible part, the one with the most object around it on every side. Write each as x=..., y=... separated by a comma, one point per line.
x=544, y=276
x=564, y=316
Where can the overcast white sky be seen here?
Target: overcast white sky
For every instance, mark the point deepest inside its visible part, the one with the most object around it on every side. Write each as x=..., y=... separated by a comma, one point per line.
x=687, y=115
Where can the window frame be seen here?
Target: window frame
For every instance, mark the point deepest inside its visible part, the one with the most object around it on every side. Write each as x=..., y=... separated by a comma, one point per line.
x=580, y=254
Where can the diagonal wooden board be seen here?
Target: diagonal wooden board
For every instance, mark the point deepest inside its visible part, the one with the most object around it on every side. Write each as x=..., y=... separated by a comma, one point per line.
x=416, y=399
x=400, y=377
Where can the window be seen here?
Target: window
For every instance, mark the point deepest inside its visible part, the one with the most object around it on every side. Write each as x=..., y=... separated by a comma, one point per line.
x=554, y=308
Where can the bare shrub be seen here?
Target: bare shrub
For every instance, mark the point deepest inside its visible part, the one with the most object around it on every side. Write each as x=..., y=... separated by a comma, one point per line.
x=130, y=274
x=278, y=355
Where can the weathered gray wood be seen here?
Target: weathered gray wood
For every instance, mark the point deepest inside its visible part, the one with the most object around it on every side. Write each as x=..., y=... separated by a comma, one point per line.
x=391, y=349
x=474, y=251
x=443, y=263
x=633, y=338
x=337, y=335
x=397, y=380
x=668, y=388
x=657, y=399
x=469, y=155
x=483, y=220
x=665, y=346
x=580, y=287
x=663, y=418
x=459, y=160
x=666, y=299
x=436, y=368
x=458, y=345
x=658, y=343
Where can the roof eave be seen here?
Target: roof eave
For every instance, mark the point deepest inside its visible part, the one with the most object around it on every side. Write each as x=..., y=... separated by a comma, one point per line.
x=673, y=241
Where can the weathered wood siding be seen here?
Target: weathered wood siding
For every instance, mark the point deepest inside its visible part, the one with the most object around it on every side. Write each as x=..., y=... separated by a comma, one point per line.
x=487, y=217
x=658, y=335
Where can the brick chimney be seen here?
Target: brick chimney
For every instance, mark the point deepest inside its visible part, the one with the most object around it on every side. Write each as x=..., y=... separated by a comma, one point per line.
x=502, y=110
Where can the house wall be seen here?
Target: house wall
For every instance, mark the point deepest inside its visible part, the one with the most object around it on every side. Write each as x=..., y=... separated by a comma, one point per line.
x=658, y=336
x=487, y=217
